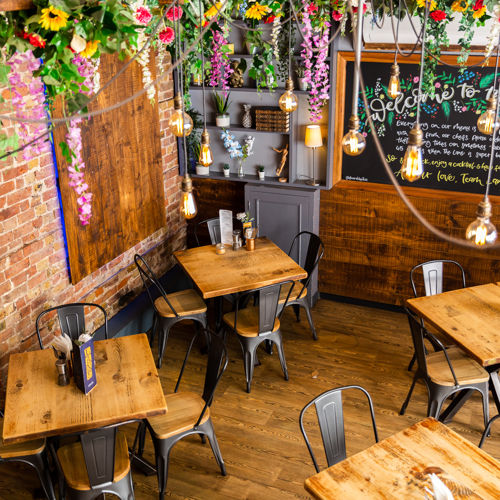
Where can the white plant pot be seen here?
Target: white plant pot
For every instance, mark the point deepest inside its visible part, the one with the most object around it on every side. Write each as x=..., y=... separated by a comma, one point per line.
x=303, y=85
x=201, y=170
x=262, y=175
x=226, y=172
x=223, y=121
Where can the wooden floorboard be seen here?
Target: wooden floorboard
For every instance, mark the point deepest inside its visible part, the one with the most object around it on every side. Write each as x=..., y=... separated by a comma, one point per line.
x=258, y=433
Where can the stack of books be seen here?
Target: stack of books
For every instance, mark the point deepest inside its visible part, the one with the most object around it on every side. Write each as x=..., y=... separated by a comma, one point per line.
x=271, y=119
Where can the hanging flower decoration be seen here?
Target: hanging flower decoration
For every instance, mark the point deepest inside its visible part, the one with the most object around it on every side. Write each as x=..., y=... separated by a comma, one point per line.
x=220, y=66
x=232, y=146
x=53, y=19
x=167, y=35
x=34, y=39
x=174, y=14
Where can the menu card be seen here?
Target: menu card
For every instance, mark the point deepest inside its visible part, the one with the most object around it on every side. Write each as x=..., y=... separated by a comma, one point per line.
x=226, y=226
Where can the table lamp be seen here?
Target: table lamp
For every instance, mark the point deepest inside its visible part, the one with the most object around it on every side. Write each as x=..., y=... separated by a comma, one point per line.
x=313, y=140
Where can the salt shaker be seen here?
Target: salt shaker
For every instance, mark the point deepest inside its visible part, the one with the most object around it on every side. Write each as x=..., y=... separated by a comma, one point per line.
x=236, y=239
x=62, y=370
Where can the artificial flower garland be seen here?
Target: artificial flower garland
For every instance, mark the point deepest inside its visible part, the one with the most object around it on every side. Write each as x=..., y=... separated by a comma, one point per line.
x=220, y=67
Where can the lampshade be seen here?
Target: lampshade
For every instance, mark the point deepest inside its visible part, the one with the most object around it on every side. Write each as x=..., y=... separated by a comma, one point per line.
x=313, y=137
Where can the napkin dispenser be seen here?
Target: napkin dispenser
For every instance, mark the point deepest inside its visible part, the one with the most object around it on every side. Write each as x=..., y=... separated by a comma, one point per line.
x=84, y=365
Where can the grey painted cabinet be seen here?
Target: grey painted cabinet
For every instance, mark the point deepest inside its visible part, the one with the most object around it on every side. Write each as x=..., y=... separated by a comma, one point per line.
x=281, y=213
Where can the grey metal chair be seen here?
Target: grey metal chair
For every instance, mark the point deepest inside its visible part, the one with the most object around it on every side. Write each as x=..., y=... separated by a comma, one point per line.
x=444, y=372
x=188, y=413
x=428, y=277
x=95, y=464
x=487, y=430
x=71, y=319
x=298, y=298
x=170, y=308
x=33, y=453
x=257, y=324
x=329, y=411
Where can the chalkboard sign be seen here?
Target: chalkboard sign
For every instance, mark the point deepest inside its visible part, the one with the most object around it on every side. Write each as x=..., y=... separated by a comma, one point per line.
x=456, y=155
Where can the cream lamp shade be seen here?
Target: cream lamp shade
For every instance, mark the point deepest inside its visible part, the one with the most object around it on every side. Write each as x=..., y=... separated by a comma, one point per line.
x=313, y=137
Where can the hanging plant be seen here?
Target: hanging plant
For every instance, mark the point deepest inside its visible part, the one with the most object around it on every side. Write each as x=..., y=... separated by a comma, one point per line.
x=220, y=70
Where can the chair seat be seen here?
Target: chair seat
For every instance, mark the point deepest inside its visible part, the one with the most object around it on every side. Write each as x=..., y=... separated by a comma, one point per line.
x=248, y=322
x=295, y=292
x=185, y=303
x=20, y=449
x=184, y=409
x=73, y=463
x=466, y=369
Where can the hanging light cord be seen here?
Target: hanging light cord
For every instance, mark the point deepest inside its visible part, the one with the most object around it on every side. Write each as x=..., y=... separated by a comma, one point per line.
x=202, y=67
x=397, y=32
x=290, y=44
x=422, y=59
x=357, y=52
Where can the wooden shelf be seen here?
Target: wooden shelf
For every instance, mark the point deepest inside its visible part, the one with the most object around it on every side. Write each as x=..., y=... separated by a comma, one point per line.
x=232, y=128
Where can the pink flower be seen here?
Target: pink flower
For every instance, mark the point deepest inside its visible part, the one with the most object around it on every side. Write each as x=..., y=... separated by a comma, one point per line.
x=437, y=85
x=416, y=79
x=143, y=15
x=312, y=8
x=174, y=13
x=167, y=35
x=438, y=15
x=464, y=108
x=337, y=16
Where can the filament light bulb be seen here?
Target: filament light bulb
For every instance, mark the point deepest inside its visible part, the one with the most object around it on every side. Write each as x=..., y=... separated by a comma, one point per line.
x=206, y=158
x=353, y=143
x=394, y=88
x=188, y=203
x=482, y=231
x=180, y=123
x=487, y=122
x=413, y=165
x=288, y=101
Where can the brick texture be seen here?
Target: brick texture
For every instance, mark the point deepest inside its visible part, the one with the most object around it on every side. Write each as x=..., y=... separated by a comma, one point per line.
x=33, y=266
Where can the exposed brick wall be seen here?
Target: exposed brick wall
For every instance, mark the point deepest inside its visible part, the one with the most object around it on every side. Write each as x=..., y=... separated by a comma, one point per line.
x=33, y=268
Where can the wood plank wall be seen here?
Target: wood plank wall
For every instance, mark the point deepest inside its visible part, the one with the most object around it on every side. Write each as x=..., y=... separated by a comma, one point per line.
x=372, y=241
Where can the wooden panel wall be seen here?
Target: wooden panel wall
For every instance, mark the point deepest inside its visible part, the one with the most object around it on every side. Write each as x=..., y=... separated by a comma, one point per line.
x=122, y=153
x=372, y=240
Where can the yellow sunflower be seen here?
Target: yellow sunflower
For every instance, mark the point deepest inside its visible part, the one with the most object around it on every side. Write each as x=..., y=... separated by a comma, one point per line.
x=213, y=10
x=257, y=11
x=421, y=3
x=89, y=49
x=459, y=6
x=53, y=19
x=479, y=12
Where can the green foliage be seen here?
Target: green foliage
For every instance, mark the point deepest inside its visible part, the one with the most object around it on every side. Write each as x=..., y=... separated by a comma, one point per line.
x=221, y=103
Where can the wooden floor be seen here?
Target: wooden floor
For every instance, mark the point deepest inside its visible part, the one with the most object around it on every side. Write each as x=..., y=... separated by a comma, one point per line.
x=259, y=434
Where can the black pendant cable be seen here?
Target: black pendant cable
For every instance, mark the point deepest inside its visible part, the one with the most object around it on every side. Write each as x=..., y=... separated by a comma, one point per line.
x=288, y=101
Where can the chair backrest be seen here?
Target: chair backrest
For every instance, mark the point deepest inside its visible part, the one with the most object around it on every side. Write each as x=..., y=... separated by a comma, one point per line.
x=329, y=411
x=216, y=365
x=151, y=283
x=213, y=226
x=432, y=273
x=71, y=319
x=314, y=253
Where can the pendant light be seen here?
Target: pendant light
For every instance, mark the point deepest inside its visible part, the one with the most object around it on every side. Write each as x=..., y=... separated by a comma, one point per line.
x=180, y=123
x=187, y=207
x=481, y=231
x=488, y=120
x=394, y=88
x=354, y=143
x=206, y=157
x=413, y=164
x=288, y=101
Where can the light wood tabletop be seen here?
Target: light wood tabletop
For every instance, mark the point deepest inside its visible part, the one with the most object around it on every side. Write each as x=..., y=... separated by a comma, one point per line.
x=128, y=387
x=240, y=270
x=398, y=468
x=469, y=316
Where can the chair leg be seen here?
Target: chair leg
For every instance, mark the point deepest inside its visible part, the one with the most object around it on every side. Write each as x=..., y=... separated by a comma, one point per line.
x=296, y=310
x=407, y=400
x=41, y=465
x=434, y=406
x=487, y=430
x=309, y=319
x=281, y=353
x=209, y=430
x=153, y=329
x=486, y=406
x=162, y=342
x=412, y=362
x=162, y=452
x=249, y=349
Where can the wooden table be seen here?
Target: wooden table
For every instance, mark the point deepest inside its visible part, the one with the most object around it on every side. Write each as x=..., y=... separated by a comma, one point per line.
x=397, y=467
x=127, y=388
x=240, y=270
x=471, y=318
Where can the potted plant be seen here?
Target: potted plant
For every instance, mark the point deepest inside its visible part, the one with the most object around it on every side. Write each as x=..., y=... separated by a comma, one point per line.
x=262, y=172
x=301, y=81
x=200, y=169
x=222, y=118
x=226, y=169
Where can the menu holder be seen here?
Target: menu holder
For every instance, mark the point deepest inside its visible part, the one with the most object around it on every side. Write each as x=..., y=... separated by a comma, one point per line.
x=226, y=226
x=84, y=365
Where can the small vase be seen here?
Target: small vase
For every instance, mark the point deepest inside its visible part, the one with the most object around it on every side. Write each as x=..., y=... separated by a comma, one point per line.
x=226, y=172
x=201, y=170
x=262, y=176
x=302, y=83
x=246, y=121
x=223, y=121
x=241, y=172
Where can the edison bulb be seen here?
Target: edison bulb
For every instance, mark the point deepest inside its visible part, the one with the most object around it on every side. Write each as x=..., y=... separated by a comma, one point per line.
x=482, y=231
x=486, y=122
x=413, y=165
x=353, y=143
x=180, y=123
x=288, y=101
x=394, y=88
x=188, y=205
x=206, y=158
